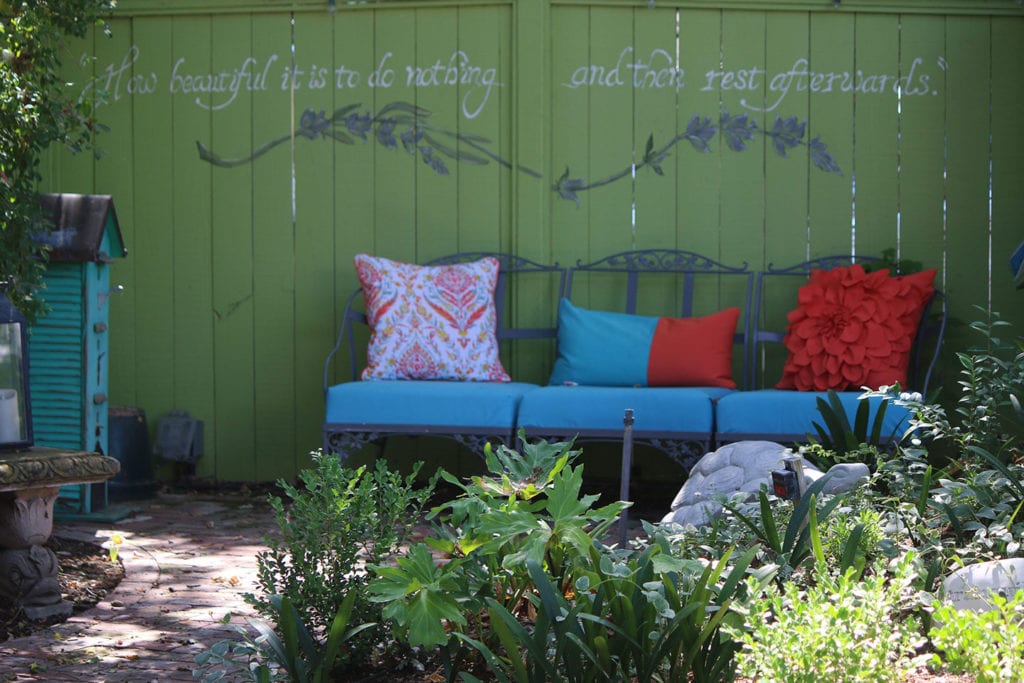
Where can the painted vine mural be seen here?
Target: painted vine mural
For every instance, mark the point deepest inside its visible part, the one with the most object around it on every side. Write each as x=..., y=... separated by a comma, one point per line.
x=403, y=125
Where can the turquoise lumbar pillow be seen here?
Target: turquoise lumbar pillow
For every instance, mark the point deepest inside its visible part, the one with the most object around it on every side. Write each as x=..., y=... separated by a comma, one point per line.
x=603, y=348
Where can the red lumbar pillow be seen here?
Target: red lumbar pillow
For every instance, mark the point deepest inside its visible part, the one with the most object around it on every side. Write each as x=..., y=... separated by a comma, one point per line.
x=694, y=351
x=854, y=329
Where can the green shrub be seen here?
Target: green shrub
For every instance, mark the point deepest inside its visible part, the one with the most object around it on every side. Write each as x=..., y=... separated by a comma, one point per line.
x=989, y=417
x=840, y=442
x=790, y=532
x=293, y=654
x=340, y=521
x=529, y=508
x=642, y=616
x=531, y=591
x=840, y=630
x=987, y=645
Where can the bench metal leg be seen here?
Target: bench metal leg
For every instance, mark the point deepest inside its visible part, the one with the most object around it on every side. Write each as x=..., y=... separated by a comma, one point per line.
x=627, y=466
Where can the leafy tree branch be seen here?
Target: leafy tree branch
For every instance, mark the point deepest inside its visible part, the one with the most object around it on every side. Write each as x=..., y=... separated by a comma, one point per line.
x=36, y=110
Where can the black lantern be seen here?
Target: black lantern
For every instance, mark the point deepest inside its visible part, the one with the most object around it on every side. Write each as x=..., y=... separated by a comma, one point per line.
x=15, y=406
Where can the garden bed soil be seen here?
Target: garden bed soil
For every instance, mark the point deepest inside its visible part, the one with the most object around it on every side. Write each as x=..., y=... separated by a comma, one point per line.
x=86, y=576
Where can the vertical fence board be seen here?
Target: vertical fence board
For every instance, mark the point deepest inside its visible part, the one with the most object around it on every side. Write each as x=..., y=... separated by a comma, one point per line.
x=437, y=226
x=787, y=178
x=570, y=116
x=193, y=338
x=1007, y=163
x=483, y=204
x=832, y=43
x=234, y=273
x=353, y=190
x=528, y=134
x=655, y=85
x=700, y=172
x=613, y=145
x=657, y=88
x=154, y=233
x=531, y=129
x=921, y=150
x=394, y=174
x=875, y=161
x=314, y=228
x=743, y=154
x=967, y=167
x=274, y=255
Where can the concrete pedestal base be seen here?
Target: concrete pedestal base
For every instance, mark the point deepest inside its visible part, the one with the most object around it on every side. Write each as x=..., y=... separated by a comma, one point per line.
x=29, y=483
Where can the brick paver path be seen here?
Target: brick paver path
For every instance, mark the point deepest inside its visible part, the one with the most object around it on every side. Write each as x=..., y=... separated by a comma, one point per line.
x=188, y=559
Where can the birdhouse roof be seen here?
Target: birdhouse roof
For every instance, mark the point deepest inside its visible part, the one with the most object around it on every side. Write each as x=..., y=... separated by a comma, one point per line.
x=84, y=227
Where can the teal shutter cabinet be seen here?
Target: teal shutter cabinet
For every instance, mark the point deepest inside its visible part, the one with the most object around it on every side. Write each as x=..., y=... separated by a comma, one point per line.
x=69, y=346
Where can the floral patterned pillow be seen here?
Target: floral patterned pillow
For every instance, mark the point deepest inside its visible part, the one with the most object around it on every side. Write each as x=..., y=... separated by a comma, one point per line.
x=853, y=329
x=431, y=322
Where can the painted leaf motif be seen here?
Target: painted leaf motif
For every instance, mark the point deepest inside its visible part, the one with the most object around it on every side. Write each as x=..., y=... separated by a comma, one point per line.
x=567, y=187
x=737, y=130
x=313, y=124
x=651, y=159
x=786, y=133
x=386, y=133
x=410, y=137
x=359, y=124
x=433, y=161
x=821, y=158
x=699, y=132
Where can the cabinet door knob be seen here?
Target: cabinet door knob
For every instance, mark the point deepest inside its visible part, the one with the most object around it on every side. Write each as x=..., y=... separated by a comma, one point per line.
x=99, y=398
x=99, y=328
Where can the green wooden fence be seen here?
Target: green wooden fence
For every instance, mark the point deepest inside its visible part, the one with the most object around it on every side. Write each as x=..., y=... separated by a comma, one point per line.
x=252, y=148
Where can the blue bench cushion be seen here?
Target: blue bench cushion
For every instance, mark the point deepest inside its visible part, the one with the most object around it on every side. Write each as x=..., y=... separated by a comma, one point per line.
x=426, y=403
x=783, y=415
x=682, y=411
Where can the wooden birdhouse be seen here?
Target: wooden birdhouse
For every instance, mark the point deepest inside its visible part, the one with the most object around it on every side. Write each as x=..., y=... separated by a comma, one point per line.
x=69, y=357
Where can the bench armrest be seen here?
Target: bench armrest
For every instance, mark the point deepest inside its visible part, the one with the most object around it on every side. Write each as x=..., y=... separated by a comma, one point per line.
x=348, y=318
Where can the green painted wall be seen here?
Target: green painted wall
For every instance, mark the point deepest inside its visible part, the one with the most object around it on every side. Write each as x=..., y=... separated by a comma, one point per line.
x=255, y=147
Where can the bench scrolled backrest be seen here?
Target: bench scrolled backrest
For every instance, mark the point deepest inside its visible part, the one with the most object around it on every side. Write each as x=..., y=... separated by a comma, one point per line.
x=768, y=327
x=724, y=284
x=509, y=265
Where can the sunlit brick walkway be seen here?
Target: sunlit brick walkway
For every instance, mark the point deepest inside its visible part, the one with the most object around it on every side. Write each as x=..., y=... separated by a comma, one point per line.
x=188, y=559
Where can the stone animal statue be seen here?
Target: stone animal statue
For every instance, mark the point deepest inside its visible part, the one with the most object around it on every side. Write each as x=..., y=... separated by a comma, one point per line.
x=743, y=467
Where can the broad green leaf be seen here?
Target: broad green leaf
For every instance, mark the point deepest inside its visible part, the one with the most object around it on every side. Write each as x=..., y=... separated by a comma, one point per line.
x=664, y=563
x=564, y=496
x=427, y=612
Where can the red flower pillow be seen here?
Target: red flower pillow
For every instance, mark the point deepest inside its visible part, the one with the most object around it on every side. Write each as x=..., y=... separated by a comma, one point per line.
x=853, y=329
